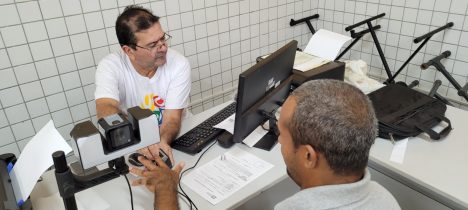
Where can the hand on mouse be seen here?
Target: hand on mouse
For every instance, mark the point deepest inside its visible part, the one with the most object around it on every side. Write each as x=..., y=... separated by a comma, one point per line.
x=152, y=151
x=159, y=179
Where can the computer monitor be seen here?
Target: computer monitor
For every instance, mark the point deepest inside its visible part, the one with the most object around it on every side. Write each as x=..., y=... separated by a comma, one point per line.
x=261, y=90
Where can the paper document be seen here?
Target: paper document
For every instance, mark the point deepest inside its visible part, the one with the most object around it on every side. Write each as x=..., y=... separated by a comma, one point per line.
x=227, y=124
x=226, y=174
x=305, y=62
x=255, y=136
x=326, y=44
x=36, y=158
x=399, y=150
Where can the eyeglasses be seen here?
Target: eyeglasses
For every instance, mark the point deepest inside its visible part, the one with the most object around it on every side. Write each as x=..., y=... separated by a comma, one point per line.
x=153, y=46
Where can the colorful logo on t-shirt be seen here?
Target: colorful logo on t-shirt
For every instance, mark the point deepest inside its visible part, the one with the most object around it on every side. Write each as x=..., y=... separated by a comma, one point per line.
x=155, y=104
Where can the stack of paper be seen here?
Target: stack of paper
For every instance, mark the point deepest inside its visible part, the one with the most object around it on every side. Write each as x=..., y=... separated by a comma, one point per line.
x=322, y=48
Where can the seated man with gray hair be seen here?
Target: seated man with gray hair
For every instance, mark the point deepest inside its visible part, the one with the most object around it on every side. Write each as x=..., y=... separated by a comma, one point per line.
x=326, y=129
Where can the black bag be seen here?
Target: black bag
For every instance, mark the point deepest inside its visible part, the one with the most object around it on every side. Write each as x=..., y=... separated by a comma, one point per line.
x=403, y=112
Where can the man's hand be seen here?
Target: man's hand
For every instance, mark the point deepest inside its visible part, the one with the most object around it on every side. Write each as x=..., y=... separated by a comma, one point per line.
x=152, y=151
x=160, y=180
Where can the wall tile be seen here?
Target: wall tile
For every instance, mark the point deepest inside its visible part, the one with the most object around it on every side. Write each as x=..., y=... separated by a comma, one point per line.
x=159, y=8
x=35, y=31
x=7, y=78
x=80, y=42
x=174, y=22
x=10, y=12
x=19, y=55
x=50, y=9
x=172, y=7
x=13, y=35
x=62, y=117
x=46, y=68
x=84, y=59
x=108, y=4
x=57, y=102
x=17, y=113
x=90, y=5
x=23, y=130
x=3, y=119
x=75, y=96
x=37, y=107
x=29, y=11
x=199, y=16
x=51, y=85
x=41, y=50
x=70, y=80
x=4, y=59
x=31, y=91
x=79, y=112
x=109, y=17
x=94, y=21
x=61, y=46
x=25, y=73
x=87, y=75
x=7, y=136
x=89, y=93
x=458, y=6
x=71, y=7
x=75, y=24
x=100, y=53
x=11, y=96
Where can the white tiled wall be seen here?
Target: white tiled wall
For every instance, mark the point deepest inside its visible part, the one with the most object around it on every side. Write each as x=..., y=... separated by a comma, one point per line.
x=404, y=21
x=49, y=50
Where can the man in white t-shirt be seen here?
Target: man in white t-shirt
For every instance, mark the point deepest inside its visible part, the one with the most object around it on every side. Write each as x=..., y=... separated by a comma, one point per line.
x=144, y=73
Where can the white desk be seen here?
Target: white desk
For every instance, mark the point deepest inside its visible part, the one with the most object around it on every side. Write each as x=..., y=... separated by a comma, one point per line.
x=435, y=169
x=116, y=193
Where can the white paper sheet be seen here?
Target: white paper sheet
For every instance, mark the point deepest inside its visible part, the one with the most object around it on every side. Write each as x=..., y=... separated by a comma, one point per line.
x=326, y=44
x=36, y=158
x=399, y=150
x=226, y=174
x=255, y=136
x=312, y=63
x=227, y=124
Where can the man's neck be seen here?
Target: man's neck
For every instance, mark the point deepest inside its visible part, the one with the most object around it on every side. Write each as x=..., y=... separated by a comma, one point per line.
x=330, y=178
x=146, y=72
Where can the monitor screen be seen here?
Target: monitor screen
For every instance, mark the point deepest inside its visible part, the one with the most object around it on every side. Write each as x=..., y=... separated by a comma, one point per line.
x=259, y=81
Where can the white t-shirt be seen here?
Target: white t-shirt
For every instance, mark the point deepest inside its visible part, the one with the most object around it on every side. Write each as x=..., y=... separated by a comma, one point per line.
x=169, y=88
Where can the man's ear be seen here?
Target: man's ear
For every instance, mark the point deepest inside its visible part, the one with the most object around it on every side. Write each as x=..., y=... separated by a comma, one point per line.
x=129, y=51
x=310, y=156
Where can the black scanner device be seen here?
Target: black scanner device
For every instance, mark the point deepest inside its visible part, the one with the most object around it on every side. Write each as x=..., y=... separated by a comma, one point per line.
x=133, y=159
x=225, y=139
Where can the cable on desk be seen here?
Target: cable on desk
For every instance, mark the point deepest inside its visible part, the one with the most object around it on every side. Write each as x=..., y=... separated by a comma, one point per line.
x=129, y=189
x=181, y=174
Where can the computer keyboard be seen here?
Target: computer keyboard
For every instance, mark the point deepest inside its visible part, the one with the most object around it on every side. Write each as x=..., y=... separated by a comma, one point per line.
x=196, y=139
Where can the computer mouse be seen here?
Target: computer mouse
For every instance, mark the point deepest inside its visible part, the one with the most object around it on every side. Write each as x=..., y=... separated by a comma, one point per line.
x=225, y=139
x=133, y=159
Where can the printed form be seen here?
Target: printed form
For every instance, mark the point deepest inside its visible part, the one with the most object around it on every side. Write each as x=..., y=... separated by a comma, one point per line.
x=226, y=174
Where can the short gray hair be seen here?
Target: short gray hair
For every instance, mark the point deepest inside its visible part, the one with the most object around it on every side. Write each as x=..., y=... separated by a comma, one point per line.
x=338, y=120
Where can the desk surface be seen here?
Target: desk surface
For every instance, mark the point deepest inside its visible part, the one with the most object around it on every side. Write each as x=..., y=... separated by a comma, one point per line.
x=143, y=199
x=436, y=169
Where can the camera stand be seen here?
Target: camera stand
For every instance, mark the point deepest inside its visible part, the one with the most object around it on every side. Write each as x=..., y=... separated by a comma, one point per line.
x=69, y=183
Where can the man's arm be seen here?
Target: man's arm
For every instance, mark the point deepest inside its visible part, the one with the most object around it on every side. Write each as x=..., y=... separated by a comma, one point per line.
x=171, y=125
x=106, y=107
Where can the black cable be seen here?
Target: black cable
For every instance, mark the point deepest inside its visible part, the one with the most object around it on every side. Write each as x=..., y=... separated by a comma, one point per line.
x=181, y=174
x=130, y=190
